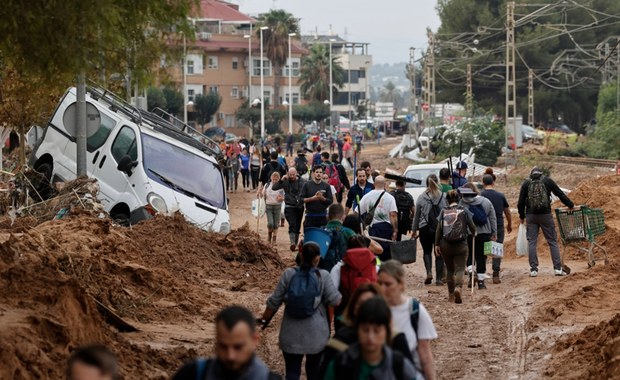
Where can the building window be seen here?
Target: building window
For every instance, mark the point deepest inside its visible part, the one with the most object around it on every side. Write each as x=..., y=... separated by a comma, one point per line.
x=190, y=95
x=212, y=62
x=267, y=97
x=235, y=63
x=234, y=93
x=266, y=67
x=213, y=90
x=295, y=64
x=362, y=73
x=295, y=98
x=190, y=67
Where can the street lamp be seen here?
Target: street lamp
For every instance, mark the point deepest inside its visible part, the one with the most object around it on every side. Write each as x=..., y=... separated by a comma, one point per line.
x=249, y=94
x=184, y=79
x=262, y=86
x=331, y=81
x=290, y=88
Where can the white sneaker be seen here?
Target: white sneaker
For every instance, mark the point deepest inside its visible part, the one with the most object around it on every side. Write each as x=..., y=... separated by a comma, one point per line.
x=560, y=272
x=534, y=273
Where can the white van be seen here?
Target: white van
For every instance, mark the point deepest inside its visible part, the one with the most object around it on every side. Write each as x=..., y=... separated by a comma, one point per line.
x=144, y=164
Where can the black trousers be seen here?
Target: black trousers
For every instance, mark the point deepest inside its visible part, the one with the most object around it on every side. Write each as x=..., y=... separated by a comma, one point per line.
x=315, y=221
x=254, y=171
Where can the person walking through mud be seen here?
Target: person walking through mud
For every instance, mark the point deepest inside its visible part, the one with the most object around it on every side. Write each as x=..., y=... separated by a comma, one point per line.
x=409, y=316
x=293, y=204
x=317, y=196
x=358, y=190
x=384, y=223
x=273, y=206
x=425, y=219
x=535, y=211
x=502, y=209
x=483, y=216
x=451, y=242
x=236, y=340
x=304, y=332
x=371, y=357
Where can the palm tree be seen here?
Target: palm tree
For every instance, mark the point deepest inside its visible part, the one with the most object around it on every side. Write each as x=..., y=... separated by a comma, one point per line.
x=314, y=74
x=280, y=23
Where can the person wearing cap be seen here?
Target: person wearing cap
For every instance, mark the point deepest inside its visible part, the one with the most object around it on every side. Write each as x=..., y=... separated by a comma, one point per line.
x=502, y=209
x=458, y=176
x=541, y=218
x=305, y=336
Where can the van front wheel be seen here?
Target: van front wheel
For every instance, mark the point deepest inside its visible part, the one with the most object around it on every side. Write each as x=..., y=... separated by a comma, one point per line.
x=43, y=183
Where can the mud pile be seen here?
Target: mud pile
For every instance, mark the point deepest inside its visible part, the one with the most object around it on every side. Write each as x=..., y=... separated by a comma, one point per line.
x=76, y=280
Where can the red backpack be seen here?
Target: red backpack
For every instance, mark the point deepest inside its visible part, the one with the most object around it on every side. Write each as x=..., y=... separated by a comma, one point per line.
x=333, y=177
x=360, y=266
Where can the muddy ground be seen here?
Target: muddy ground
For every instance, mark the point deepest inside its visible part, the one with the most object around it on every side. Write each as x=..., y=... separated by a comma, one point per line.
x=168, y=279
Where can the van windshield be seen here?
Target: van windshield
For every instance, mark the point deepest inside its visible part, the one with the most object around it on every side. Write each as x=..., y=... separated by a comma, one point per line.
x=183, y=171
x=420, y=174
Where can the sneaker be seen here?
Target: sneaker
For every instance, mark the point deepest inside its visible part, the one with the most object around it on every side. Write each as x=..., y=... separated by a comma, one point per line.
x=481, y=284
x=534, y=273
x=457, y=296
x=560, y=272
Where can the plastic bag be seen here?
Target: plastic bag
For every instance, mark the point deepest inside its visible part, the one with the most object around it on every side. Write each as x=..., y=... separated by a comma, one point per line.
x=345, y=164
x=258, y=207
x=522, y=244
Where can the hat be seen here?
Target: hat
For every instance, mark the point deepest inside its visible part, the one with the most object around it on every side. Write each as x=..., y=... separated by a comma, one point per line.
x=535, y=170
x=466, y=191
x=461, y=165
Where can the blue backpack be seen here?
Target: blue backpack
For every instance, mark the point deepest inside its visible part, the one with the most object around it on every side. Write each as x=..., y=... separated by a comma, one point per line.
x=479, y=216
x=304, y=293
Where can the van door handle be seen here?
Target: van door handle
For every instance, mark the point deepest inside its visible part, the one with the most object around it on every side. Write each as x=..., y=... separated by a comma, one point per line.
x=96, y=157
x=102, y=161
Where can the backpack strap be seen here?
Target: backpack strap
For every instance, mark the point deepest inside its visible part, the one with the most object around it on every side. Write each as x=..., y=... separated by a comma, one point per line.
x=274, y=376
x=398, y=365
x=415, y=315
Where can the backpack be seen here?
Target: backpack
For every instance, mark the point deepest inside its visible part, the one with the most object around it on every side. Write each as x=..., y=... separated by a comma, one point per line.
x=415, y=315
x=454, y=224
x=333, y=177
x=359, y=268
x=432, y=219
x=203, y=366
x=537, y=196
x=301, y=164
x=303, y=292
x=479, y=215
x=404, y=203
x=337, y=248
x=344, y=372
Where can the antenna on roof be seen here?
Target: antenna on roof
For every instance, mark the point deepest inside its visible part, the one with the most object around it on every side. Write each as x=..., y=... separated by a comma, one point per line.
x=331, y=32
x=346, y=33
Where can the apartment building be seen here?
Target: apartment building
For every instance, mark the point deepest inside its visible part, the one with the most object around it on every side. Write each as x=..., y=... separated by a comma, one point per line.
x=219, y=61
x=356, y=62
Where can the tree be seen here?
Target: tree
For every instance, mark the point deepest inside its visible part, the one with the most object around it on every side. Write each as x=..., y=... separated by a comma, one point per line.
x=307, y=113
x=155, y=98
x=206, y=106
x=314, y=74
x=280, y=23
x=174, y=101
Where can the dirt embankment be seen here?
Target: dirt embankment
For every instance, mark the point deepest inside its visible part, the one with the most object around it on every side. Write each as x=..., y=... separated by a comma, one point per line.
x=58, y=277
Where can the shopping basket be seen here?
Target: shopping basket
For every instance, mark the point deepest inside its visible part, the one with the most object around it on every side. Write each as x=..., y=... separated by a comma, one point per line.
x=582, y=224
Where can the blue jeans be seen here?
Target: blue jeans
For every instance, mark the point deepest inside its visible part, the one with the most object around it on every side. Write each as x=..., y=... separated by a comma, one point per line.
x=273, y=216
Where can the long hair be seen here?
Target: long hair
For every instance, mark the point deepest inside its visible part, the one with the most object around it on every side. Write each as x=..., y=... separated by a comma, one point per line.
x=309, y=251
x=432, y=185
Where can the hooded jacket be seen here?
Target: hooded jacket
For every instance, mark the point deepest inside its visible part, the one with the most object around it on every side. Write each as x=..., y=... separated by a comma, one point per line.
x=423, y=208
x=491, y=226
x=552, y=188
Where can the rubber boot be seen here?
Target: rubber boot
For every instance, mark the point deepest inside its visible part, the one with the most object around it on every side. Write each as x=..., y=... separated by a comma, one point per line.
x=269, y=235
x=293, y=238
x=451, y=297
x=273, y=238
x=457, y=296
x=469, y=281
x=429, y=279
x=496, y=279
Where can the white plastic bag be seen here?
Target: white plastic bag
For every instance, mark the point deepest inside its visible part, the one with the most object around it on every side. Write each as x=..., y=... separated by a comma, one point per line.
x=258, y=207
x=345, y=164
x=522, y=244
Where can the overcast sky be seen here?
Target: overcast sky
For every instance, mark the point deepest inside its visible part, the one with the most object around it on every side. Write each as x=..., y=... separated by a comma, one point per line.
x=390, y=26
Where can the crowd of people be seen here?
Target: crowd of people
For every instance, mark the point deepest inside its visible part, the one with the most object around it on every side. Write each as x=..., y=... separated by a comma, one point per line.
x=346, y=311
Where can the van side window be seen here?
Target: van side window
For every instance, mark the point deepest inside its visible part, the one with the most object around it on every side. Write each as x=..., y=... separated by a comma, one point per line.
x=125, y=144
x=95, y=141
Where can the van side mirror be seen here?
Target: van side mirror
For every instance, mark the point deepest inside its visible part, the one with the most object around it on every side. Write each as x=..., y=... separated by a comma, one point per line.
x=126, y=164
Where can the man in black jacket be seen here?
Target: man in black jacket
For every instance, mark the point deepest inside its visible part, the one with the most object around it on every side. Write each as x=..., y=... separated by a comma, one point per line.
x=535, y=210
x=361, y=188
x=293, y=204
x=271, y=166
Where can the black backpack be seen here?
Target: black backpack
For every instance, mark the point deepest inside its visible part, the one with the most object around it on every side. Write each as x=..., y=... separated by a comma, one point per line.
x=342, y=372
x=404, y=203
x=432, y=219
x=537, y=196
x=301, y=164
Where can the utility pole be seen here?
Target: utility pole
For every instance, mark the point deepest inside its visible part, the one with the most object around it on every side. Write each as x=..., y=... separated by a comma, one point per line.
x=607, y=68
x=414, y=106
x=429, y=78
x=469, y=97
x=511, y=90
x=530, y=98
